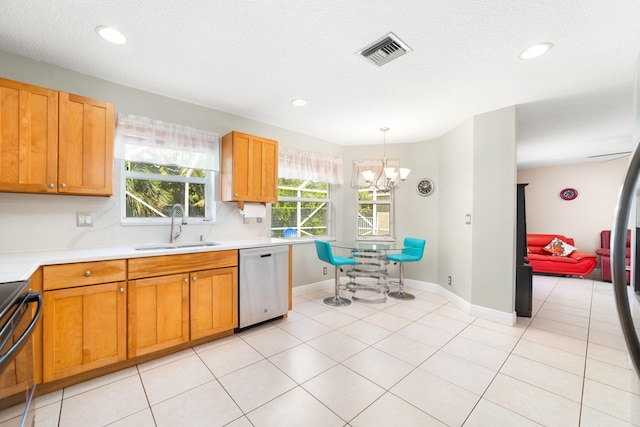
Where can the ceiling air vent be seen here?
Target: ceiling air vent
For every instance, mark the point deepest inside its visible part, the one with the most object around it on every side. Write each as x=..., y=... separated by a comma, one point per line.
x=385, y=50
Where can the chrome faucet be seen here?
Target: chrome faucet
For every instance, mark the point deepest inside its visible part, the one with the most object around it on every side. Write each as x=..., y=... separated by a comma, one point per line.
x=174, y=235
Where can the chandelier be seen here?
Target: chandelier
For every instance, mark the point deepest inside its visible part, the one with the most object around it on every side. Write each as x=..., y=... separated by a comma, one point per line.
x=389, y=177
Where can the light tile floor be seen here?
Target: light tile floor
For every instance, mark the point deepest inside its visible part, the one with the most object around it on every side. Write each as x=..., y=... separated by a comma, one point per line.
x=401, y=363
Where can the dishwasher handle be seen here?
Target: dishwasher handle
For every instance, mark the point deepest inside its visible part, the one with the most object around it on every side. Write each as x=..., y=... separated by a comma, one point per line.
x=265, y=255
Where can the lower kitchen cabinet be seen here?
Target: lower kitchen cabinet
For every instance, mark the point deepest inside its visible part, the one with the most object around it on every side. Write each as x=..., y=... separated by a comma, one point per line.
x=214, y=301
x=177, y=298
x=18, y=375
x=83, y=328
x=158, y=313
x=103, y=312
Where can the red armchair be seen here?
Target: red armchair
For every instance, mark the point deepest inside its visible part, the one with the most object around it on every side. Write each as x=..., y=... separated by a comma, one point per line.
x=605, y=257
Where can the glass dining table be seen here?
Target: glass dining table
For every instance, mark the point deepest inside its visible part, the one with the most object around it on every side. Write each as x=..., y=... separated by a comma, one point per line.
x=369, y=276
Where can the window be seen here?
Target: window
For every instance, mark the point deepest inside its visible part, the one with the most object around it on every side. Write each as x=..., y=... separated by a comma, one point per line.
x=303, y=206
x=375, y=214
x=304, y=196
x=164, y=164
x=151, y=190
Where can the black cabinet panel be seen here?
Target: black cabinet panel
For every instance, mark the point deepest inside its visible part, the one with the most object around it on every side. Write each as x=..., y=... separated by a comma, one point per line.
x=524, y=272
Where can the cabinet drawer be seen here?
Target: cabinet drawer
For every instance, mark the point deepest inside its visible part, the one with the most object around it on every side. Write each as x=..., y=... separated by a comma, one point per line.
x=174, y=264
x=83, y=273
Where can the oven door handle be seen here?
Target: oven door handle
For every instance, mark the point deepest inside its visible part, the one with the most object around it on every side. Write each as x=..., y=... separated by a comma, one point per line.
x=29, y=298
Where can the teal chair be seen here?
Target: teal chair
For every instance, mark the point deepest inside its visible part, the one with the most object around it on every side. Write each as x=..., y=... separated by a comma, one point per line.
x=323, y=248
x=412, y=252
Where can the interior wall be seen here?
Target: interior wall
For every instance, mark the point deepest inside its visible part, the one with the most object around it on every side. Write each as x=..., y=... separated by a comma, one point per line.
x=415, y=216
x=32, y=222
x=597, y=183
x=455, y=200
x=418, y=216
x=35, y=221
x=494, y=210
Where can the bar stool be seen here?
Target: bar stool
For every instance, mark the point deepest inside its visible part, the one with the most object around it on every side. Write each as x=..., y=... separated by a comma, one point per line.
x=412, y=252
x=323, y=248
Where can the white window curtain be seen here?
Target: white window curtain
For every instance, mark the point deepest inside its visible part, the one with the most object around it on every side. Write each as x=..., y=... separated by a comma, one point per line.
x=357, y=180
x=141, y=139
x=316, y=167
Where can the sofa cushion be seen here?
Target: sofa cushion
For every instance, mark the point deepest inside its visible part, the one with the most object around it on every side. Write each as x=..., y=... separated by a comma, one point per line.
x=549, y=258
x=558, y=247
x=607, y=252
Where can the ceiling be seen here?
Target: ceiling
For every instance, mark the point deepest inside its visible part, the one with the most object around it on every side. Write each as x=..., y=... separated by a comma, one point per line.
x=252, y=58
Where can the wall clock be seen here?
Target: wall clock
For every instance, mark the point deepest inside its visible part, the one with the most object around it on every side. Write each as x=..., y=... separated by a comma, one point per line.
x=568, y=194
x=425, y=187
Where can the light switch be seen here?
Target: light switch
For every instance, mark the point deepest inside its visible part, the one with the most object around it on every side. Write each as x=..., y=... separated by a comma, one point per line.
x=84, y=219
x=467, y=219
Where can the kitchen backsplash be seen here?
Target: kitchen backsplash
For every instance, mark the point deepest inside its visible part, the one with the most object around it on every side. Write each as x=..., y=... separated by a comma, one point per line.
x=37, y=222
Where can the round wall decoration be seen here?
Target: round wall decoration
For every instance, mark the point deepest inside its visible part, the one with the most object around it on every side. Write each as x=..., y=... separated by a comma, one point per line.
x=568, y=194
x=425, y=187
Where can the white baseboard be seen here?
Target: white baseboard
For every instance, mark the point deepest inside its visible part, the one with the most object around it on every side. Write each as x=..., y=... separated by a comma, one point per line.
x=317, y=286
x=482, y=312
x=490, y=314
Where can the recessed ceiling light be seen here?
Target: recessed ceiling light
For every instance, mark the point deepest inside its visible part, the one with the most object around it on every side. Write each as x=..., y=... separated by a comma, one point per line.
x=111, y=35
x=299, y=102
x=536, y=50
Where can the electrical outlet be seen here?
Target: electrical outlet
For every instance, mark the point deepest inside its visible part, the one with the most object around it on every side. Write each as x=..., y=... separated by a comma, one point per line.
x=449, y=280
x=324, y=270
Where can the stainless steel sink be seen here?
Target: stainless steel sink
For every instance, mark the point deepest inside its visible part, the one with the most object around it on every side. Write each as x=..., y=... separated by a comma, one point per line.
x=197, y=244
x=168, y=246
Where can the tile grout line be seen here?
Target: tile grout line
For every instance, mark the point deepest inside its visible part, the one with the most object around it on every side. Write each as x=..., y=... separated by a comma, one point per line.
x=505, y=361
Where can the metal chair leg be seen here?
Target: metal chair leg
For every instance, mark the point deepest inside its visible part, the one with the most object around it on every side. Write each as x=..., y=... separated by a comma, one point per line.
x=337, y=300
x=400, y=293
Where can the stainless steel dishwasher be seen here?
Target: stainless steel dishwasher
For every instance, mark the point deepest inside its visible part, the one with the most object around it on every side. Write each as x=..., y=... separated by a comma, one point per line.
x=264, y=284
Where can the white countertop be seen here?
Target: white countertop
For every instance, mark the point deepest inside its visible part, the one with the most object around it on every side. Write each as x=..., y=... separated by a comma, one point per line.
x=21, y=265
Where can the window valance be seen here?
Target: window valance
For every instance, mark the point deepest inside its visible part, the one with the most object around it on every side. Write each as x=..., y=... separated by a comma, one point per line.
x=316, y=167
x=142, y=139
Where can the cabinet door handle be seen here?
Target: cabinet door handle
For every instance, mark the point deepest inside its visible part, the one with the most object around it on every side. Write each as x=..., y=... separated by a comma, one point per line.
x=121, y=290
x=87, y=273
x=194, y=278
x=63, y=185
x=51, y=185
x=186, y=280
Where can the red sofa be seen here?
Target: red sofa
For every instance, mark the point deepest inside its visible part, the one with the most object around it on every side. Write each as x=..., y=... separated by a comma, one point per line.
x=576, y=264
x=605, y=257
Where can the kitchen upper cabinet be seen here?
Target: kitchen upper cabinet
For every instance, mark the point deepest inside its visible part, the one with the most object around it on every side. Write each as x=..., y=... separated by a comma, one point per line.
x=84, y=326
x=249, y=168
x=214, y=301
x=158, y=313
x=85, y=146
x=28, y=138
x=54, y=142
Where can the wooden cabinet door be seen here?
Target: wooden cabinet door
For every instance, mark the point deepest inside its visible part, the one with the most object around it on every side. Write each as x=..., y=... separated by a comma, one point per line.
x=83, y=328
x=158, y=314
x=241, y=169
x=28, y=138
x=269, y=172
x=249, y=168
x=214, y=301
x=85, y=144
x=18, y=375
